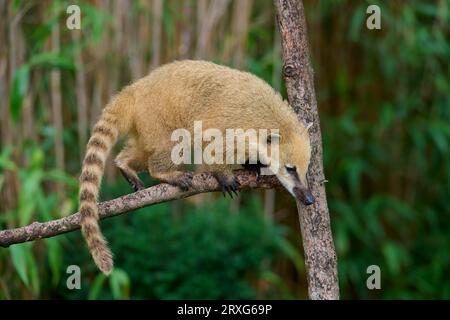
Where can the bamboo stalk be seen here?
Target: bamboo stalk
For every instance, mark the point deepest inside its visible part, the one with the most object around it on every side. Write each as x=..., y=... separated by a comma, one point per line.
x=157, y=9
x=186, y=33
x=56, y=101
x=81, y=94
x=134, y=58
x=241, y=16
x=210, y=18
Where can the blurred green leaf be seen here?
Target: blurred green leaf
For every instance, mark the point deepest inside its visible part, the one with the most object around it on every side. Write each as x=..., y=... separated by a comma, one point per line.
x=30, y=187
x=392, y=253
x=290, y=251
x=54, y=259
x=52, y=59
x=357, y=22
x=33, y=272
x=19, y=90
x=96, y=286
x=19, y=258
x=120, y=284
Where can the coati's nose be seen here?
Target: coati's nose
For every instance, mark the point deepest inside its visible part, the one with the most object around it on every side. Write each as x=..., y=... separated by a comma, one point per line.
x=308, y=198
x=304, y=195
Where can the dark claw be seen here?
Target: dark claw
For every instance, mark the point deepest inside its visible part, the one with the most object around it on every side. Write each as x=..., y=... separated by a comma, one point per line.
x=228, y=190
x=183, y=185
x=258, y=172
x=228, y=184
x=137, y=186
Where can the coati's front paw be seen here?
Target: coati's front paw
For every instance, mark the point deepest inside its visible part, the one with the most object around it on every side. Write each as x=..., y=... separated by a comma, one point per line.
x=227, y=183
x=182, y=180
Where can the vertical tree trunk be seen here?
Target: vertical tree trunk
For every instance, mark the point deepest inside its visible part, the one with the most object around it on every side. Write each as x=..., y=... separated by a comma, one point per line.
x=320, y=256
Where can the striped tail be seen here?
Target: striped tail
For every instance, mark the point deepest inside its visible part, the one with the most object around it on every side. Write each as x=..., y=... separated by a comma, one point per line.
x=104, y=136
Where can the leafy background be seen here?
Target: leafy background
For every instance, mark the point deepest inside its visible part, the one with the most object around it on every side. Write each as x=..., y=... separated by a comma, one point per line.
x=384, y=102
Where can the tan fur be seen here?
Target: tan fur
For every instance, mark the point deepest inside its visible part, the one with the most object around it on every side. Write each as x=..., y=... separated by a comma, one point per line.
x=172, y=97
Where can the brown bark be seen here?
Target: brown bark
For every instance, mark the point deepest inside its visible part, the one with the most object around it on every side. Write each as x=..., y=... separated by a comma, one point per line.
x=320, y=255
x=202, y=182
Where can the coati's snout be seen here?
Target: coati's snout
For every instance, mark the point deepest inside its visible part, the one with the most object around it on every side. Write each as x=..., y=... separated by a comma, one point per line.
x=300, y=189
x=290, y=178
x=304, y=195
x=292, y=165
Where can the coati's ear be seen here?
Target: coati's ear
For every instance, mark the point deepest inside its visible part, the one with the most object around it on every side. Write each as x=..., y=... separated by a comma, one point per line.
x=308, y=125
x=273, y=138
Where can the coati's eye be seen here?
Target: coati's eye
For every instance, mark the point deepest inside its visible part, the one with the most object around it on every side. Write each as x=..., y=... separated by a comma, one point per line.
x=291, y=169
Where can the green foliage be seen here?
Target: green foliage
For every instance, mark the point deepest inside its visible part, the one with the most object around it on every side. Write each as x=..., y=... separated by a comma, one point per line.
x=387, y=153
x=19, y=88
x=34, y=204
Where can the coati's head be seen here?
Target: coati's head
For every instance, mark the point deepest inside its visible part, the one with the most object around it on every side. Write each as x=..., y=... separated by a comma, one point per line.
x=294, y=155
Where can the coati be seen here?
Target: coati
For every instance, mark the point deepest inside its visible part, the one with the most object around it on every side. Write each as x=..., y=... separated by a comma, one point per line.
x=173, y=96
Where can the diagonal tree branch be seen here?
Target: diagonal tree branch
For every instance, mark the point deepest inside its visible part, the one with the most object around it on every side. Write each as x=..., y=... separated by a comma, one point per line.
x=202, y=182
x=320, y=255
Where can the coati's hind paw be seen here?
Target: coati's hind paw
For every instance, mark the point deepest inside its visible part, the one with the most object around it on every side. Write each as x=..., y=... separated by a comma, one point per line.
x=134, y=182
x=228, y=184
x=137, y=185
x=256, y=168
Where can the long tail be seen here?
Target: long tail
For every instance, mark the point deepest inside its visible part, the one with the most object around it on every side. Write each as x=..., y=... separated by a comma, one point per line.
x=105, y=133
